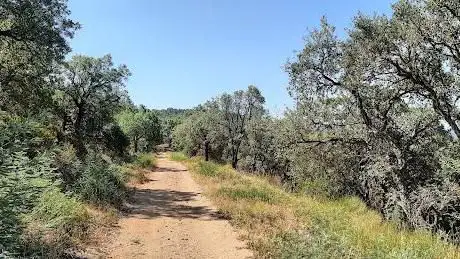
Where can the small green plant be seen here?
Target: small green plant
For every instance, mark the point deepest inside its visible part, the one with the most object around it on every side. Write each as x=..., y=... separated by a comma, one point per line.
x=145, y=160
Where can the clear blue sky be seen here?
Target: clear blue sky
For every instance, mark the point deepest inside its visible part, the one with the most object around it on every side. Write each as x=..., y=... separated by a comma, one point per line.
x=184, y=52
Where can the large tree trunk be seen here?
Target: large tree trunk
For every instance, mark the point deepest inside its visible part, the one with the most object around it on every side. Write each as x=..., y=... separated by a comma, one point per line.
x=234, y=158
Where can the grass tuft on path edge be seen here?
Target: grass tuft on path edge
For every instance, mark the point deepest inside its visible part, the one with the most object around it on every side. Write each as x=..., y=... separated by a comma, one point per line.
x=278, y=224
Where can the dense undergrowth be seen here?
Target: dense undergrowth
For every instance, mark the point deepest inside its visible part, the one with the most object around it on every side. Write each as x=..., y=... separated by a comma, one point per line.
x=279, y=224
x=43, y=216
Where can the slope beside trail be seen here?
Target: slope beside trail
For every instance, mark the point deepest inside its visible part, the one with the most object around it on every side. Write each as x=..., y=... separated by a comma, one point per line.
x=169, y=218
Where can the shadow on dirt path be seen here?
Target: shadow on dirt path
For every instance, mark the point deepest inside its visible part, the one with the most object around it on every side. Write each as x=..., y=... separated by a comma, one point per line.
x=167, y=217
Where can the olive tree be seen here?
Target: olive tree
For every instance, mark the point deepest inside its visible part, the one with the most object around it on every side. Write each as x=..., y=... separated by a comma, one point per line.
x=90, y=93
x=376, y=109
x=140, y=125
x=237, y=111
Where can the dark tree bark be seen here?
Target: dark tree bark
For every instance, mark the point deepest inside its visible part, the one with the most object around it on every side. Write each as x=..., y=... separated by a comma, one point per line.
x=78, y=137
x=206, y=150
x=135, y=145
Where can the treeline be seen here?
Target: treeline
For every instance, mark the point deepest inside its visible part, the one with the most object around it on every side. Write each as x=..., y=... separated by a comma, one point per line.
x=376, y=116
x=66, y=127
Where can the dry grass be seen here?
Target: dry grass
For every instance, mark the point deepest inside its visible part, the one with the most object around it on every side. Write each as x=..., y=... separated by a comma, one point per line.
x=135, y=175
x=136, y=171
x=278, y=224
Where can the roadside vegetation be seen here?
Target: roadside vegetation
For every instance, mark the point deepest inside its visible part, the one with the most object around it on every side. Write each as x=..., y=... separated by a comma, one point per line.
x=376, y=119
x=68, y=132
x=281, y=224
x=365, y=164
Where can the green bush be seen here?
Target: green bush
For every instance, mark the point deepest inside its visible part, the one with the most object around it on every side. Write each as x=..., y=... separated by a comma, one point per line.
x=25, y=171
x=55, y=225
x=68, y=166
x=145, y=160
x=102, y=183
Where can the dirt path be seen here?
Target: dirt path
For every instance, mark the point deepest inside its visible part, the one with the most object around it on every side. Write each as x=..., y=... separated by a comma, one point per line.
x=169, y=218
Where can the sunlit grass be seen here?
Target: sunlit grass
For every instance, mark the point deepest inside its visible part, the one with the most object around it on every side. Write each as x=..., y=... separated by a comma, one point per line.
x=278, y=224
x=177, y=156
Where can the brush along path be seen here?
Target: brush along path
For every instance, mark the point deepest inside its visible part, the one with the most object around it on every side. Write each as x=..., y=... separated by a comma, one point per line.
x=169, y=218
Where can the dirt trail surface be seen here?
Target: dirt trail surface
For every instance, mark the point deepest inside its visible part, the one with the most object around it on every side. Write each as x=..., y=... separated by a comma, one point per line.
x=169, y=218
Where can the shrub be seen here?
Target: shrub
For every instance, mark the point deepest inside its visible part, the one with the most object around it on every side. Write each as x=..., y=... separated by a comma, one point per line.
x=145, y=160
x=56, y=224
x=115, y=141
x=25, y=171
x=101, y=183
x=60, y=211
x=67, y=165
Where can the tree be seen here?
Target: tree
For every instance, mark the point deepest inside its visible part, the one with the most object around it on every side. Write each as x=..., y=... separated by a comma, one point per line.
x=140, y=125
x=90, y=93
x=221, y=125
x=33, y=37
x=115, y=139
x=259, y=151
x=200, y=133
x=237, y=111
x=371, y=109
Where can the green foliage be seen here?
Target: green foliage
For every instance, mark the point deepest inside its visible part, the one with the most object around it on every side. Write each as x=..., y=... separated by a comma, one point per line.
x=24, y=174
x=115, y=140
x=33, y=38
x=67, y=165
x=90, y=92
x=219, y=129
x=169, y=119
x=145, y=160
x=59, y=211
x=46, y=104
x=200, y=134
x=55, y=225
x=141, y=126
x=256, y=193
x=101, y=183
x=376, y=111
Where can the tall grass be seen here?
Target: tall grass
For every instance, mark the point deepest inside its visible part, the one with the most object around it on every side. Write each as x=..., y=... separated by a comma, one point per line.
x=178, y=156
x=279, y=224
